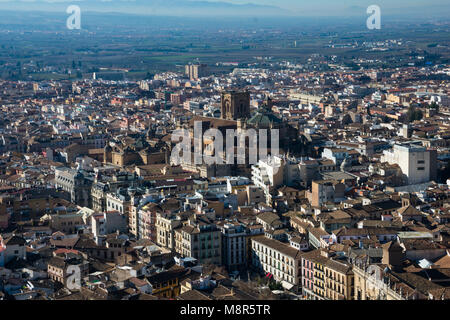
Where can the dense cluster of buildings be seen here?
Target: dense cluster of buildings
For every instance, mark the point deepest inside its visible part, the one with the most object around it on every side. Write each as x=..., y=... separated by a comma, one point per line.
x=351, y=203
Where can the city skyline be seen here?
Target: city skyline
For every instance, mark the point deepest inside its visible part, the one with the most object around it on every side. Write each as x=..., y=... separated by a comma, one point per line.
x=259, y=157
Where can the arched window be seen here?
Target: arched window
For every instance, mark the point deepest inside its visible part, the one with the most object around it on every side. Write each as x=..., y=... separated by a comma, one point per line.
x=227, y=106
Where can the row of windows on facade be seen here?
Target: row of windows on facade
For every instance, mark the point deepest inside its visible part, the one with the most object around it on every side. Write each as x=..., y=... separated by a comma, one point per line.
x=286, y=276
x=237, y=258
x=70, y=223
x=61, y=178
x=328, y=273
x=273, y=254
x=115, y=206
x=331, y=290
x=272, y=263
x=279, y=267
x=165, y=284
x=186, y=236
x=203, y=255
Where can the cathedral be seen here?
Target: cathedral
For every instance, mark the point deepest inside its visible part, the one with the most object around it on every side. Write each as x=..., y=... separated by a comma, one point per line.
x=236, y=115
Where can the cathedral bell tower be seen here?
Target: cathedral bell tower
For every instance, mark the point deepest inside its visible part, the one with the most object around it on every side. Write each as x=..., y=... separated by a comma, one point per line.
x=235, y=105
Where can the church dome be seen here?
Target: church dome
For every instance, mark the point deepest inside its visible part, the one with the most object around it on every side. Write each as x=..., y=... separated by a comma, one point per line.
x=263, y=119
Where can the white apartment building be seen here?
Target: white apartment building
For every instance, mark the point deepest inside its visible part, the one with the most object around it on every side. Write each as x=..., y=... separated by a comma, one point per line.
x=274, y=172
x=116, y=201
x=414, y=161
x=337, y=155
x=106, y=223
x=278, y=259
x=268, y=173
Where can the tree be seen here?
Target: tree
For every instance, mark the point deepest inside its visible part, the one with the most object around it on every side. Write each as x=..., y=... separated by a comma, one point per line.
x=419, y=114
x=414, y=114
x=433, y=105
x=274, y=285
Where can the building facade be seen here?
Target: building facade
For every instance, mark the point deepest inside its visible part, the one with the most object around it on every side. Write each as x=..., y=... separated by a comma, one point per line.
x=201, y=239
x=234, y=249
x=413, y=160
x=278, y=259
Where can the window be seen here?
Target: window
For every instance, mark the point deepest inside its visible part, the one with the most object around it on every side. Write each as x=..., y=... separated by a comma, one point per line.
x=420, y=168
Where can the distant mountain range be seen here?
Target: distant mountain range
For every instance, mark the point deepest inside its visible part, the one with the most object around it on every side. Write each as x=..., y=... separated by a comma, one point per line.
x=150, y=7
x=417, y=9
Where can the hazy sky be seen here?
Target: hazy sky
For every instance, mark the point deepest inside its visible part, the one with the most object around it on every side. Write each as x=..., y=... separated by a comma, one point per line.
x=348, y=8
x=339, y=3
x=324, y=7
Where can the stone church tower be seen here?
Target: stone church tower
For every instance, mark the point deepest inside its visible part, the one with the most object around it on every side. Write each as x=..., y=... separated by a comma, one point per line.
x=235, y=105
